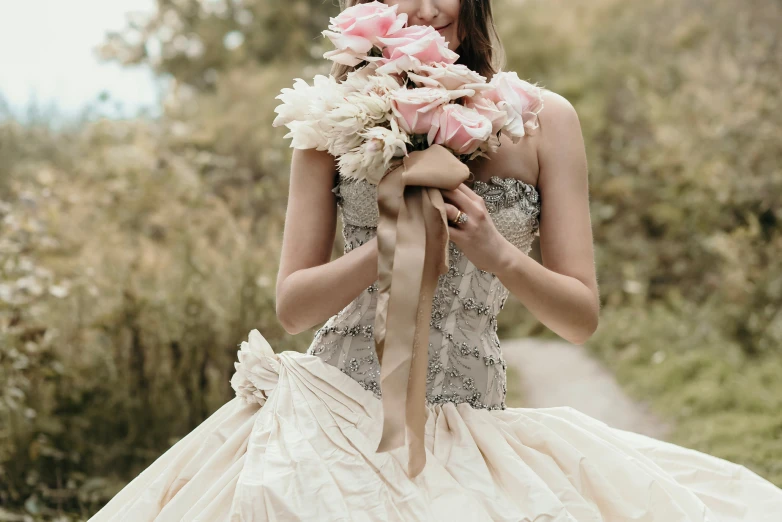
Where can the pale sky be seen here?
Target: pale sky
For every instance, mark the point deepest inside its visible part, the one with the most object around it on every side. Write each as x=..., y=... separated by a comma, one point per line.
x=46, y=51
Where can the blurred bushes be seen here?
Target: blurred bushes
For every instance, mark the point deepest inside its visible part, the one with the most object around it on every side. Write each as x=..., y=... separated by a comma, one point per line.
x=195, y=42
x=136, y=255
x=680, y=107
x=681, y=113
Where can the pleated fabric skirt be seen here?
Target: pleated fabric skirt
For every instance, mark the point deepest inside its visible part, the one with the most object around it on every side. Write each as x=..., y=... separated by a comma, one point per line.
x=298, y=444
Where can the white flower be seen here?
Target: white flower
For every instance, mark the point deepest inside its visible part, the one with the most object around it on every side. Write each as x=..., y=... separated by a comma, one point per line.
x=372, y=159
x=358, y=79
x=366, y=80
x=295, y=104
x=329, y=115
x=366, y=103
x=306, y=135
x=357, y=113
x=303, y=108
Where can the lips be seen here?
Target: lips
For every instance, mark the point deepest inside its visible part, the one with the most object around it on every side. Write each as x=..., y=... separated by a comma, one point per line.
x=441, y=28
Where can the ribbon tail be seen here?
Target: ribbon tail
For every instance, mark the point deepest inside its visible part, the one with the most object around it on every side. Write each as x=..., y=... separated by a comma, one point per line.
x=440, y=237
x=390, y=193
x=407, y=273
x=435, y=263
x=413, y=251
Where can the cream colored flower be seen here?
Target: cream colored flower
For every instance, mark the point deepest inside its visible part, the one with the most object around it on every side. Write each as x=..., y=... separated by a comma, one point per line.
x=366, y=80
x=303, y=108
x=306, y=102
x=356, y=113
x=371, y=160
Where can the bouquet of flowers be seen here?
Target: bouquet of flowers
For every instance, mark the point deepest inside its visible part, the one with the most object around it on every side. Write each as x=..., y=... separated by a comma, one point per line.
x=406, y=93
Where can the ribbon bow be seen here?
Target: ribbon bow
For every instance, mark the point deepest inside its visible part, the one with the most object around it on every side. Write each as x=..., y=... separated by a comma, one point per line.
x=412, y=242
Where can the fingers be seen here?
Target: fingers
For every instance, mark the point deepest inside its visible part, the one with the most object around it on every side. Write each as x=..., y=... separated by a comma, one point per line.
x=457, y=235
x=459, y=197
x=451, y=211
x=469, y=192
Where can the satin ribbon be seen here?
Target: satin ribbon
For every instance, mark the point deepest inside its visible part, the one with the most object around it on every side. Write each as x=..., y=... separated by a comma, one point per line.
x=412, y=242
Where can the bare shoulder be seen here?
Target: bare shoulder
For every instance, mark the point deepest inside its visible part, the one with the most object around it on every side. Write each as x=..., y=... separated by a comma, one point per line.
x=560, y=144
x=557, y=115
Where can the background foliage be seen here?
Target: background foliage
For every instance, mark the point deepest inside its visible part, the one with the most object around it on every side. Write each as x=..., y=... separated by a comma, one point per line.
x=136, y=255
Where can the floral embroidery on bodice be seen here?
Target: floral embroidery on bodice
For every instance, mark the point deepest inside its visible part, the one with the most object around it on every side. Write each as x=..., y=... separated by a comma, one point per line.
x=465, y=359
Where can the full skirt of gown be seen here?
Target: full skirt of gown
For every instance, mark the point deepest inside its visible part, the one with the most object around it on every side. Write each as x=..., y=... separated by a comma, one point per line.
x=298, y=443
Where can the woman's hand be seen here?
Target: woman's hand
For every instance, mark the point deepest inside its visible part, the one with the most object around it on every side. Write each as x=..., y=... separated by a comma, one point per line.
x=478, y=238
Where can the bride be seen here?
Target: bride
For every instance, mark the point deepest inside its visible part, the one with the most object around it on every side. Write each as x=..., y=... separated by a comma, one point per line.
x=334, y=435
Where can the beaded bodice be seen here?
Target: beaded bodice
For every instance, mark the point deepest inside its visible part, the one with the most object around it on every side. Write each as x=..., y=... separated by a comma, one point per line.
x=465, y=359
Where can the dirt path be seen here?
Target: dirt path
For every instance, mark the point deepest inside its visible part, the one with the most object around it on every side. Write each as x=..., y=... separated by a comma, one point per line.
x=557, y=373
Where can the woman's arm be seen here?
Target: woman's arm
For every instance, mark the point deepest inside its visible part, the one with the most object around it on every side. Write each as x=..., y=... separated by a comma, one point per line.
x=562, y=293
x=310, y=287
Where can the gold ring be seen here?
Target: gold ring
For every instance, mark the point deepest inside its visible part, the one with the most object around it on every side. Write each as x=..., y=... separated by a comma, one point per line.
x=461, y=217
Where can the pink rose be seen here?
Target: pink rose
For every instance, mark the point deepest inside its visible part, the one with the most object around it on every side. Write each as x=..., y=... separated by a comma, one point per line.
x=485, y=107
x=449, y=76
x=357, y=29
x=521, y=100
x=411, y=47
x=416, y=108
x=459, y=128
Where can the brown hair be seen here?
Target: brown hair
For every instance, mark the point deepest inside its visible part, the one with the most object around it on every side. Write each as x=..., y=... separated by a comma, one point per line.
x=480, y=47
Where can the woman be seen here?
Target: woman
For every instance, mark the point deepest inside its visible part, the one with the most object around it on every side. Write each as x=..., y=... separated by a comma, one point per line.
x=305, y=438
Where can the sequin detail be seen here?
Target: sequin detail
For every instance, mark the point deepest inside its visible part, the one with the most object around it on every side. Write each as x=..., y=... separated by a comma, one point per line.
x=465, y=358
x=509, y=200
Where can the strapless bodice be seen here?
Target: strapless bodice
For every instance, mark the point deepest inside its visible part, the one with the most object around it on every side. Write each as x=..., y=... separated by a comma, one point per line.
x=465, y=359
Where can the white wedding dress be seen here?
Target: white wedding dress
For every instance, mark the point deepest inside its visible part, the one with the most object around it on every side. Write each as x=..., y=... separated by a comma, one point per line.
x=298, y=442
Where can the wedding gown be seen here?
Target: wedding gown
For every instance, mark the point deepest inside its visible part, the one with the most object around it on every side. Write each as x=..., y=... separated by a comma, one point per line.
x=299, y=441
